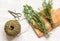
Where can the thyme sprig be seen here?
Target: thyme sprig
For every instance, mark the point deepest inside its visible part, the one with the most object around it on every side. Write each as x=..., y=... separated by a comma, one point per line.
x=30, y=14
x=47, y=11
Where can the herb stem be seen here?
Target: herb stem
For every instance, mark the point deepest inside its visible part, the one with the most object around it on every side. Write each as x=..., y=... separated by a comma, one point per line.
x=29, y=13
x=47, y=11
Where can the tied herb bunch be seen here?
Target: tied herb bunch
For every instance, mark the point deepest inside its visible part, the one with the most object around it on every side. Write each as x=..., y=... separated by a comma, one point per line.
x=30, y=15
x=47, y=7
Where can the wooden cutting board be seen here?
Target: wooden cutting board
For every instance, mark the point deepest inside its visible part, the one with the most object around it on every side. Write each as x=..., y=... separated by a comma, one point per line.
x=55, y=18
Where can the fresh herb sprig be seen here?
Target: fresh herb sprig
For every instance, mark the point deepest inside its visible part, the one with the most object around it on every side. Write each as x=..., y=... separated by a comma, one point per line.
x=47, y=11
x=30, y=14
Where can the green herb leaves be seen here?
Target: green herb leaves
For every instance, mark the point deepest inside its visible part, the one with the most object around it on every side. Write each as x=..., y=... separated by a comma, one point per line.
x=47, y=11
x=30, y=14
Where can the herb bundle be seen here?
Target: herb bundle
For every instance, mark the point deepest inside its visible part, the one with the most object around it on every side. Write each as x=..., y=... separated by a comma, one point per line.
x=47, y=11
x=30, y=15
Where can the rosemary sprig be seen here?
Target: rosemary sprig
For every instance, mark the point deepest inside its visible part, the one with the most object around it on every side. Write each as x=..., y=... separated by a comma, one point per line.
x=30, y=14
x=41, y=24
x=47, y=11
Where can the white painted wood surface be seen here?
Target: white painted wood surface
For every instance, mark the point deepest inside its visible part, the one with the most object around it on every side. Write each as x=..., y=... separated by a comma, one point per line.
x=17, y=6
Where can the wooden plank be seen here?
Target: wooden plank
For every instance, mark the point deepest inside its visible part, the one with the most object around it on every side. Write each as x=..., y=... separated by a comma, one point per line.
x=56, y=20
